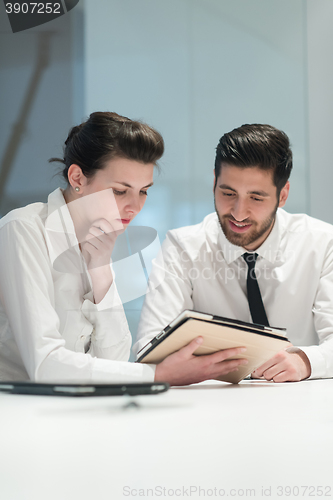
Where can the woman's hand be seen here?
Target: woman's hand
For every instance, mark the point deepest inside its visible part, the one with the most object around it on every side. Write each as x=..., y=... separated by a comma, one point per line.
x=97, y=249
x=183, y=367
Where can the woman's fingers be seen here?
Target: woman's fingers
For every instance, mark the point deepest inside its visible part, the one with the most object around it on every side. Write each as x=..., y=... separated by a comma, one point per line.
x=107, y=227
x=100, y=241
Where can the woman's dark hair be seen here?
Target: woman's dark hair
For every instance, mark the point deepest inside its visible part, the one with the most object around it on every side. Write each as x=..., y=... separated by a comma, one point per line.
x=256, y=145
x=105, y=136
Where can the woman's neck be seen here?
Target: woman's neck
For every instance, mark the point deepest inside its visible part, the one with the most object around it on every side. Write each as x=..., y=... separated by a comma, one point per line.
x=75, y=206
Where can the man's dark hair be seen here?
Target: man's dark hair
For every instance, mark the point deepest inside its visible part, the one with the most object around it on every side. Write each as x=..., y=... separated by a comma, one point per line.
x=105, y=136
x=256, y=145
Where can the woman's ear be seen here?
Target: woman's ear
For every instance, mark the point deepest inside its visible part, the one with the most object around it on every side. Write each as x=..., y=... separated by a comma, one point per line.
x=76, y=178
x=284, y=194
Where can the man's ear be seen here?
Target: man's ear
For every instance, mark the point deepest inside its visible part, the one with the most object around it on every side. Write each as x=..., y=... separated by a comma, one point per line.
x=284, y=194
x=214, y=181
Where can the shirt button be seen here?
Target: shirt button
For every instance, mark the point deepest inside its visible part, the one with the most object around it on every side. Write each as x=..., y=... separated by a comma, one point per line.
x=82, y=337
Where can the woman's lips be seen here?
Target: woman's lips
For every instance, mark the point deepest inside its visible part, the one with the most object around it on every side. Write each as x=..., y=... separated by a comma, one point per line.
x=125, y=221
x=240, y=228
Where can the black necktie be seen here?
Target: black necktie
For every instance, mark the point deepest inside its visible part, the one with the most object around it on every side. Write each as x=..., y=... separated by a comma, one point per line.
x=256, y=305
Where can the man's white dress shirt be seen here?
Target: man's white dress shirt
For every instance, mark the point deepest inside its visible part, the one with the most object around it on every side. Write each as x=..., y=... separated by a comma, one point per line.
x=205, y=272
x=50, y=327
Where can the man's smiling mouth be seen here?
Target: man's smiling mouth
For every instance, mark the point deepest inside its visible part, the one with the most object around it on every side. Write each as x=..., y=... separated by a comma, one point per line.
x=239, y=227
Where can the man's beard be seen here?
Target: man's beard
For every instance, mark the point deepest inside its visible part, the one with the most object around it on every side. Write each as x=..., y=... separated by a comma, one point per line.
x=254, y=234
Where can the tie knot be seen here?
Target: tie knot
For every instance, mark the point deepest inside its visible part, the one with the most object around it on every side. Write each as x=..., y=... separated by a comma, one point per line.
x=250, y=259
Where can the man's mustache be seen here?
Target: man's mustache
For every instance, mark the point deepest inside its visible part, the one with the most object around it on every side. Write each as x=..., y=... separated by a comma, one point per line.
x=230, y=217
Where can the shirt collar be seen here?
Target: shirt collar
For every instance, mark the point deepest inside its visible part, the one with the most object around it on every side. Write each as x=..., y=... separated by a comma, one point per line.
x=58, y=216
x=269, y=249
x=60, y=235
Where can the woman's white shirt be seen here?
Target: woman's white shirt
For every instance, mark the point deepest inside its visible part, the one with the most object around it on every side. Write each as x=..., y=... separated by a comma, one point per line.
x=50, y=327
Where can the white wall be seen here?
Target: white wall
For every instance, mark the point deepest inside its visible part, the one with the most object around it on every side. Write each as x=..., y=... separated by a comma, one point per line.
x=320, y=107
x=58, y=97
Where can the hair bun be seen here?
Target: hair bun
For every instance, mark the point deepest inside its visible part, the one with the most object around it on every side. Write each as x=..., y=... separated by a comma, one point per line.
x=105, y=136
x=74, y=131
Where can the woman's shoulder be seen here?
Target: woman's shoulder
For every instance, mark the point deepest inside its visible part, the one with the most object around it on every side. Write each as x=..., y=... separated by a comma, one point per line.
x=23, y=228
x=30, y=215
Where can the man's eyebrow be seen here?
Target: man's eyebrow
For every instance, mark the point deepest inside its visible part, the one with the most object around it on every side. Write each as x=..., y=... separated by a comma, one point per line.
x=258, y=193
x=225, y=186
x=129, y=186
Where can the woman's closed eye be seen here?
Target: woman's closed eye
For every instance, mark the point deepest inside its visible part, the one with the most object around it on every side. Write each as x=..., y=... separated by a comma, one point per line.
x=120, y=193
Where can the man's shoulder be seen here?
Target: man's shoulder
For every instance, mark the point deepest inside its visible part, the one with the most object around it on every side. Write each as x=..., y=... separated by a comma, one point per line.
x=303, y=223
x=194, y=239
x=207, y=228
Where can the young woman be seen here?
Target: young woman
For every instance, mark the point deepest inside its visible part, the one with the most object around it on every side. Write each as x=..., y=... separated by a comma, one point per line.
x=61, y=318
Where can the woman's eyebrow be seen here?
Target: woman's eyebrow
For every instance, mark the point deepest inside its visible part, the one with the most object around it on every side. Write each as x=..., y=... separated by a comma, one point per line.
x=129, y=186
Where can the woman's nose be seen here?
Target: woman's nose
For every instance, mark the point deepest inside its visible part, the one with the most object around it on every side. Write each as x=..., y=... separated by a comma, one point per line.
x=133, y=205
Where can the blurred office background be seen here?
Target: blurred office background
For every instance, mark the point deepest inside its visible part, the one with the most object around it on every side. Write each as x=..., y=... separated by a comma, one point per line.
x=193, y=69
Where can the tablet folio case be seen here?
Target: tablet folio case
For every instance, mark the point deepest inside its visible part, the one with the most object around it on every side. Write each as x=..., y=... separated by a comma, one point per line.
x=260, y=346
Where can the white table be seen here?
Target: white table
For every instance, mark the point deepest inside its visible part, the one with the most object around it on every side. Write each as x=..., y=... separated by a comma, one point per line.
x=254, y=440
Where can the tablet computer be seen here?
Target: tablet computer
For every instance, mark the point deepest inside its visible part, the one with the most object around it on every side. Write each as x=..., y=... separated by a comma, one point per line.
x=59, y=389
x=262, y=342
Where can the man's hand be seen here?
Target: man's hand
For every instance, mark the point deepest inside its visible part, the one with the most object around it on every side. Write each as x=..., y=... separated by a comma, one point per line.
x=182, y=367
x=289, y=365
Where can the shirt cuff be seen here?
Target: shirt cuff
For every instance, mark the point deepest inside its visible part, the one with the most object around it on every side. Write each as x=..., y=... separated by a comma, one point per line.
x=110, y=299
x=317, y=361
x=149, y=372
x=108, y=318
x=121, y=371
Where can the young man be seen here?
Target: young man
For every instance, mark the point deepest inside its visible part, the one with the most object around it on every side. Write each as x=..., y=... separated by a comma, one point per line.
x=206, y=266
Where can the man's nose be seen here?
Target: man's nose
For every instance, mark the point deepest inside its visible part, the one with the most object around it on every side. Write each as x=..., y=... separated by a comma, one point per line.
x=239, y=210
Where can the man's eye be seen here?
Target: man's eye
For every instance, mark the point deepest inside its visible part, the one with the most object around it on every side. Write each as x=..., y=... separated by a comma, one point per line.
x=228, y=194
x=118, y=193
x=145, y=193
x=257, y=199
